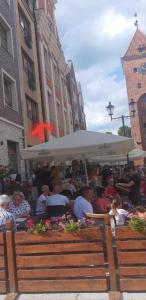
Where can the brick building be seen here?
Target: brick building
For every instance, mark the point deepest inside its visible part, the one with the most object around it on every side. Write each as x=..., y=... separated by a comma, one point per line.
x=134, y=65
x=74, y=96
x=53, y=69
x=82, y=116
x=28, y=70
x=11, y=122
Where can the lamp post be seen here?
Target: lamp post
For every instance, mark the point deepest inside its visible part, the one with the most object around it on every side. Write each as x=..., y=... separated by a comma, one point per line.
x=110, y=109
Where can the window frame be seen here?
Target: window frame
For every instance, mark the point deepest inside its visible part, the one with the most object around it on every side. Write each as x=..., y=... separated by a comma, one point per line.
x=27, y=32
x=14, y=91
x=32, y=102
x=10, y=45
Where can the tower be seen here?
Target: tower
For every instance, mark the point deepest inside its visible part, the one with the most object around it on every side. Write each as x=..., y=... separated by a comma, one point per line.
x=134, y=66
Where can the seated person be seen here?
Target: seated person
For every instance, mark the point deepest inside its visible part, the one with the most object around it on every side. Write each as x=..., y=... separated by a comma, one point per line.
x=19, y=207
x=140, y=212
x=70, y=186
x=102, y=203
x=118, y=212
x=110, y=190
x=82, y=203
x=56, y=203
x=5, y=216
x=42, y=202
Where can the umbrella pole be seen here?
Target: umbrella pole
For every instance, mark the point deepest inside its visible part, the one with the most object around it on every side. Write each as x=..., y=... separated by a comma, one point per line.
x=128, y=160
x=86, y=172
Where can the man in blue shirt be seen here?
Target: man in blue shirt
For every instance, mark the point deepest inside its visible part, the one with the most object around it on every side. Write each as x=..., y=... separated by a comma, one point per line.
x=82, y=203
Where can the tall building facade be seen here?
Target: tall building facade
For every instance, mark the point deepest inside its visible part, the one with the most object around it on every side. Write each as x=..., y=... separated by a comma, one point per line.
x=28, y=70
x=74, y=96
x=57, y=109
x=82, y=116
x=134, y=66
x=11, y=121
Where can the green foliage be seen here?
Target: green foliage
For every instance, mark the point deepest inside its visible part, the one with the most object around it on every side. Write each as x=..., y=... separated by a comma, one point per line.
x=138, y=225
x=127, y=131
x=72, y=226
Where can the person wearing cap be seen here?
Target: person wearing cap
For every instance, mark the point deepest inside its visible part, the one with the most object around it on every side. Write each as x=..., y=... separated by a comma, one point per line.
x=5, y=216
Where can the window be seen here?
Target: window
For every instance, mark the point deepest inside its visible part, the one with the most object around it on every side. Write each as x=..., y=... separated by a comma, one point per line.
x=13, y=155
x=51, y=107
x=139, y=85
x=3, y=34
x=32, y=110
x=141, y=48
x=28, y=66
x=6, y=36
x=144, y=125
x=25, y=25
x=56, y=75
x=9, y=90
x=135, y=70
x=8, y=2
x=29, y=3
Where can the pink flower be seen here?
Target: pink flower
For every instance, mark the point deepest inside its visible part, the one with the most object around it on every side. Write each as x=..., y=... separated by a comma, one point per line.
x=30, y=223
x=46, y=222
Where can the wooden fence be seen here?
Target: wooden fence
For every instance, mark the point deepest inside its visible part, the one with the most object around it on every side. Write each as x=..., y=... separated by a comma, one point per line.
x=3, y=266
x=73, y=262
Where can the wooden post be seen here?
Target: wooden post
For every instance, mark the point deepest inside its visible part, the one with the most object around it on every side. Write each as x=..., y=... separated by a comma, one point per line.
x=114, y=294
x=11, y=258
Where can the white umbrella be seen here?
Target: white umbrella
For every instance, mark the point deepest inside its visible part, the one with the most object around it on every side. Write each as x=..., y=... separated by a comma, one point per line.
x=135, y=154
x=80, y=144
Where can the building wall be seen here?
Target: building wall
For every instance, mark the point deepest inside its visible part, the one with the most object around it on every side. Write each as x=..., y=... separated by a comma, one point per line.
x=11, y=121
x=74, y=96
x=136, y=86
x=81, y=108
x=30, y=83
x=53, y=68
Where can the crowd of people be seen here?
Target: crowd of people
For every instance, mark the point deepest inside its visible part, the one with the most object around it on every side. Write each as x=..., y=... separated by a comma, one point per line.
x=106, y=193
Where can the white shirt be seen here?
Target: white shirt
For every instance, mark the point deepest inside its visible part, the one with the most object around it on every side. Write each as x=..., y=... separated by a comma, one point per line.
x=5, y=217
x=121, y=216
x=57, y=199
x=41, y=204
x=81, y=207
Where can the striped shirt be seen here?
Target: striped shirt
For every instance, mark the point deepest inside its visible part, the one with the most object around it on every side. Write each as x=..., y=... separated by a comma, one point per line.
x=5, y=217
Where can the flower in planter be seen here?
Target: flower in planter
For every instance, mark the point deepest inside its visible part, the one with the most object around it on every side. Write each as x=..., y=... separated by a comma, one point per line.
x=72, y=226
x=137, y=224
x=47, y=224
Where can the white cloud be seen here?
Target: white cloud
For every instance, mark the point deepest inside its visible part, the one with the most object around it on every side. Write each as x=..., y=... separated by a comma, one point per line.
x=95, y=34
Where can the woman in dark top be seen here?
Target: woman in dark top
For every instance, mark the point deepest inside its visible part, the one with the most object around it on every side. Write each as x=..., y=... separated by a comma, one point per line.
x=133, y=186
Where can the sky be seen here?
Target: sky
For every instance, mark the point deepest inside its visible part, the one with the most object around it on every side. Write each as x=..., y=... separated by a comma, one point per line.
x=95, y=34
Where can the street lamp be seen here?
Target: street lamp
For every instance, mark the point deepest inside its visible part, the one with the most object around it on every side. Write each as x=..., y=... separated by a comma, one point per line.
x=110, y=110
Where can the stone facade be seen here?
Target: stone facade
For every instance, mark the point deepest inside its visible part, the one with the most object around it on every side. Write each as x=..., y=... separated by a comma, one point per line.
x=11, y=122
x=134, y=66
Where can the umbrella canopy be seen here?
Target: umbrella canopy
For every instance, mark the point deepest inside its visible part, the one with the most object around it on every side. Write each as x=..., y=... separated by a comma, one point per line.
x=80, y=144
x=135, y=154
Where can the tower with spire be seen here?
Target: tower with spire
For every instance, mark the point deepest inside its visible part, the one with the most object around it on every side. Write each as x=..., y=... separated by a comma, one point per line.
x=134, y=66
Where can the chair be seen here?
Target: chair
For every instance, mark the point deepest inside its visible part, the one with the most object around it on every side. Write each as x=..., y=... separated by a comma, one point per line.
x=56, y=211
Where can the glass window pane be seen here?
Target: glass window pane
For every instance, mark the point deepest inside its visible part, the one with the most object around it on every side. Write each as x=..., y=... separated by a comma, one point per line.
x=8, y=92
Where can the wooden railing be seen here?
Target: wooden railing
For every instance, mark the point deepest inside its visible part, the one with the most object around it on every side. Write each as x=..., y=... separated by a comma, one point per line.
x=3, y=267
x=73, y=262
